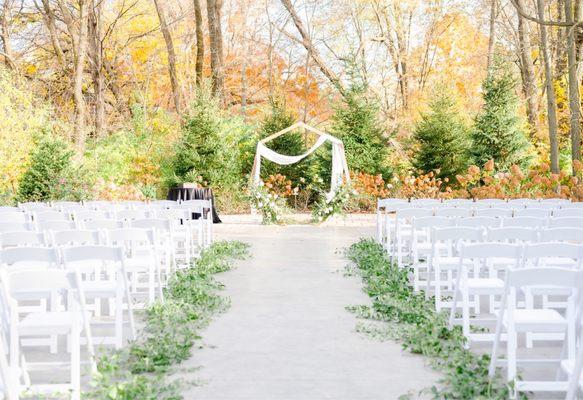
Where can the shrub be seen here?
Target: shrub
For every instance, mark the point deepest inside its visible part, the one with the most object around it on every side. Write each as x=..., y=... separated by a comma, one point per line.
x=442, y=139
x=355, y=123
x=22, y=118
x=51, y=174
x=498, y=133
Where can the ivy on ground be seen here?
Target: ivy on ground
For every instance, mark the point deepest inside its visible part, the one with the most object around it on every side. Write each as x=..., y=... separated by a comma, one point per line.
x=414, y=322
x=140, y=370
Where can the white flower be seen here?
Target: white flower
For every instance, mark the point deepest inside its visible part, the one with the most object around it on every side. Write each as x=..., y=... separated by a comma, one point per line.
x=261, y=183
x=260, y=205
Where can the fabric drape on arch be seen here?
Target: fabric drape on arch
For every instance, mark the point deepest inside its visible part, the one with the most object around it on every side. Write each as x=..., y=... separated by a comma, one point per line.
x=340, y=171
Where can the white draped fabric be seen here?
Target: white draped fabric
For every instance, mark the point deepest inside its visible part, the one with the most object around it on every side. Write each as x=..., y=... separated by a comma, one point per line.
x=339, y=165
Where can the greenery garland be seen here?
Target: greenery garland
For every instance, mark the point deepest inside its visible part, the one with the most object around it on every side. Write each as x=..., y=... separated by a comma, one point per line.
x=413, y=321
x=140, y=370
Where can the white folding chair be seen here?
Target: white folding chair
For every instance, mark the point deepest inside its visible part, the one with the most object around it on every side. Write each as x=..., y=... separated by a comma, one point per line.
x=564, y=212
x=75, y=237
x=525, y=222
x=461, y=203
x=512, y=234
x=453, y=212
x=566, y=222
x=91, y=215
x=67, y=322
x=514, y=320
x=476, y=276
x=490, y=203
x=9, y=209
x=384, y=226
x=7, y=217
x=493, y=212
x=533, y=212
x=425, y=203
x=570, y=235
x=45, y=216
x=421, y=246
x=32, y=206
x=22, y=239
x=203, y=211
x=131, y=214
x=170, y=242
x=99, y=205
x=447, y=261
x=102, y=224
x=479, y=222
x=523, y=203
x=100, y=273
x=403, y=220
x=15, y=226
x=10, y=387
x=54, y=225
x=141, y=249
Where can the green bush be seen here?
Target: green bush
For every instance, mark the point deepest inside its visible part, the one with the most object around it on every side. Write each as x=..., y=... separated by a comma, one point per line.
x=498, y=131
x=442, y=139
x=355, y=122
x=51, y=174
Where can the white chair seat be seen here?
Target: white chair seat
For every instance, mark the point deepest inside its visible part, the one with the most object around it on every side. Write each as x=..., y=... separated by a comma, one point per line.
x=99, y=288
x=487, y=284
x=47, y=323
x=537, y=320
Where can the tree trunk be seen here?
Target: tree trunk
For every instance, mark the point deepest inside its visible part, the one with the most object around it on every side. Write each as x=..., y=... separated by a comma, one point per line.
x=216, y=46
x=492, y=37
x=311, y=49
x=5, y=18
x=49, y=19
x=96, y=55
x=171, y=55
x=527, y=69
x=574, y=97
x=80, y=52
x=550, y=89
x=199, y=43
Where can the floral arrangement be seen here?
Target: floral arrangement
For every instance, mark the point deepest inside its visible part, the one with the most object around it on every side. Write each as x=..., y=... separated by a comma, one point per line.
x=270, y=205
x=336, y=204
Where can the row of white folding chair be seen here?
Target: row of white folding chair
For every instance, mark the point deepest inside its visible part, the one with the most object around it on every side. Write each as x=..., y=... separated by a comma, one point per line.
x=398, y=234
x=514, y=319
x=144, y=251
x=24, y=277
x=535, y=259
x=387, y=206
x=440, y=249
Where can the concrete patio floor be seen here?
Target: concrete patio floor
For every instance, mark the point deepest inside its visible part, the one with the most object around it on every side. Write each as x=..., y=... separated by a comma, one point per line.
x=287, y=335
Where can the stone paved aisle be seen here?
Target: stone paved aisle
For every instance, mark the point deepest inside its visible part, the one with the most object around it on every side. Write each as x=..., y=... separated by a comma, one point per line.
x=287, y=335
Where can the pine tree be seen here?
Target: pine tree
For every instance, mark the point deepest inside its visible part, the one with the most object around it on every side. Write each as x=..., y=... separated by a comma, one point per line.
x=291, y=144
x=442, y=139
x=356, y=124
x=498, y=132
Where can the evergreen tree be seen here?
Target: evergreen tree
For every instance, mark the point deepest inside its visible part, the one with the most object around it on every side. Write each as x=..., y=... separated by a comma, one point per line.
x=50, y=172
x=498, y=133
x=355, y=123
x=290, y=144
x=205, y=148
x=442, y=139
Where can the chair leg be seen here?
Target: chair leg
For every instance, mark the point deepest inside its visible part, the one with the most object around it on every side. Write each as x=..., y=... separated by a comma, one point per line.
x=511, y=355
x=75, y=361
x=465, y=315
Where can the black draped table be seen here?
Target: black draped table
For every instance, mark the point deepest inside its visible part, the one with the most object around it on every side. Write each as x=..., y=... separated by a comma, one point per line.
x=177, y=194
